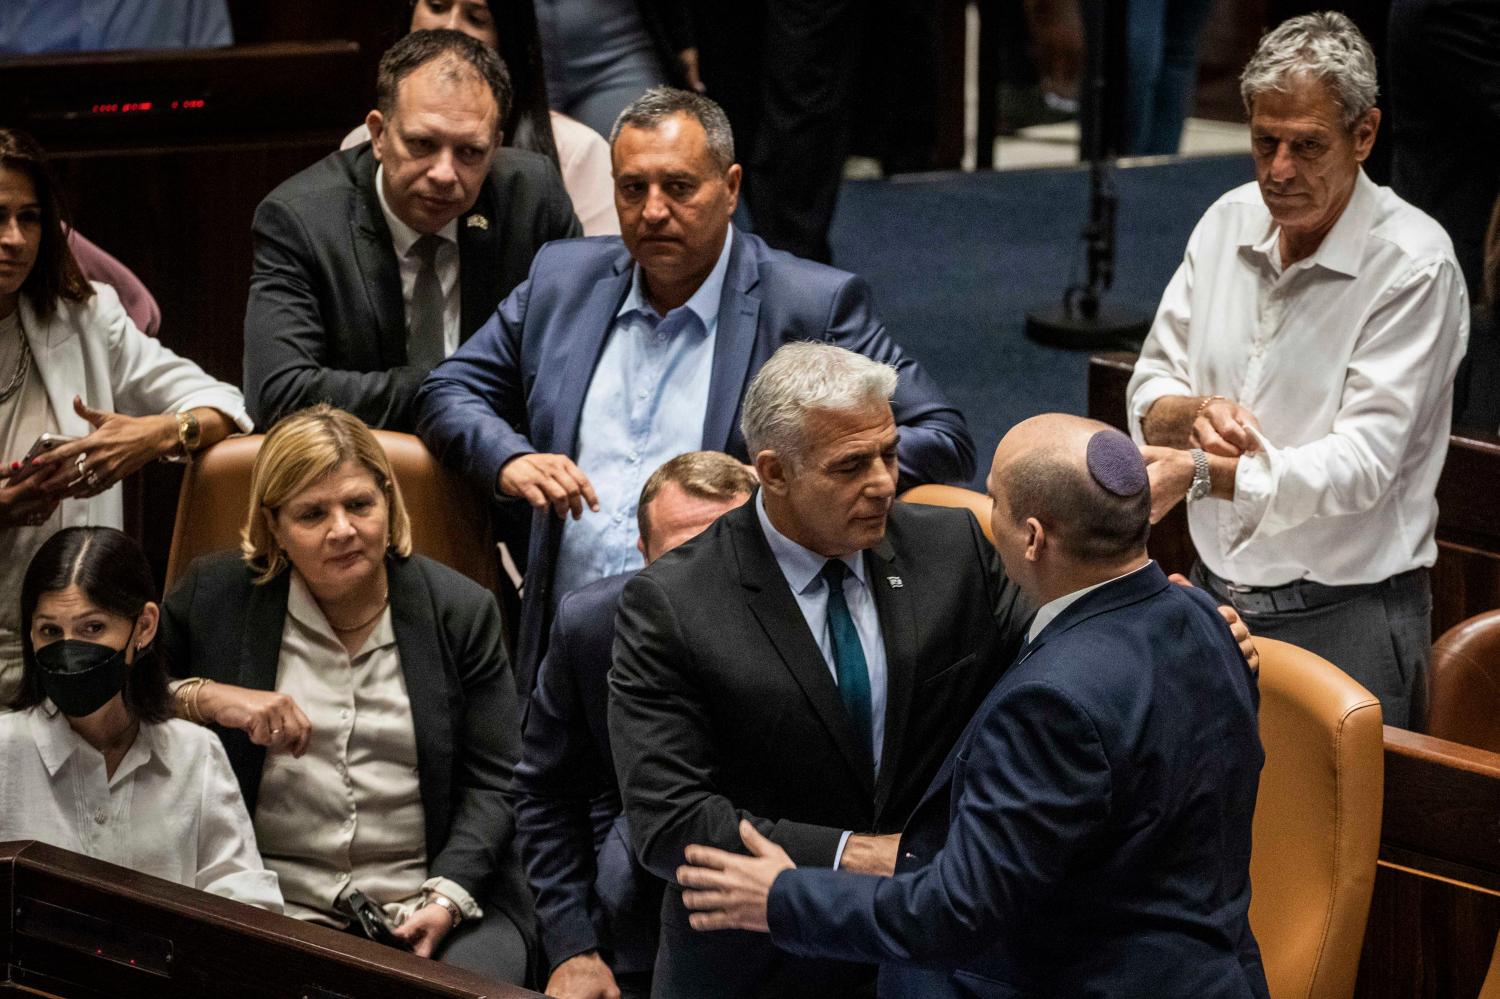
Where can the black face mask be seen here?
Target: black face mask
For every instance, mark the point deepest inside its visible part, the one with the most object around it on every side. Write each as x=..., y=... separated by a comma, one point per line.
x=81, y=677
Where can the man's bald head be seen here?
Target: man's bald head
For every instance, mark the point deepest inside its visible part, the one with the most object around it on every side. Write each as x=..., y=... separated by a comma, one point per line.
x=1085, y=482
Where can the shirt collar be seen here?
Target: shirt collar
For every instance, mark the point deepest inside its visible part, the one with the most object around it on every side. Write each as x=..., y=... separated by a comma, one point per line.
x=1052, y=608
x=403, y=236
x=57, y=742
x=302, y=607
x=1343, y=249
x=799, y=565
x=705, y=301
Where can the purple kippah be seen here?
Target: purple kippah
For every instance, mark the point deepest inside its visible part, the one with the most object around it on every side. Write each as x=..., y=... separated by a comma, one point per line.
x=1116, y=464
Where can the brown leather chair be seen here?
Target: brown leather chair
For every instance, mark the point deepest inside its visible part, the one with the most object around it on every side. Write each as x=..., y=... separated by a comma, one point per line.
x=1317, y=822
x=449, y=521
x=976, y=503
x=1464, y=702
x=1491, y=987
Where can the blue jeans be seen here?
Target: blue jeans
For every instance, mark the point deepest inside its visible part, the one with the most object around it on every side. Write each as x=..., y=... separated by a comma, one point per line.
x=1161, y=39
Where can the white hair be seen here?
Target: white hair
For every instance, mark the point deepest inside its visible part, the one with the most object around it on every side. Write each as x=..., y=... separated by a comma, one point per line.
x=1326, y=46
x=806, y=376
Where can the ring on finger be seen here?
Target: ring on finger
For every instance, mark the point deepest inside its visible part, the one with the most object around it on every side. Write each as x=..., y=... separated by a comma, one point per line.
x=91, y=477
x=79, y=464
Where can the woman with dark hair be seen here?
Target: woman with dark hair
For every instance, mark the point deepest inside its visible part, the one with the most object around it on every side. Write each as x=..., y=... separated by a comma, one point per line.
x=92, y=760
x=85, y=398
x=581, y=154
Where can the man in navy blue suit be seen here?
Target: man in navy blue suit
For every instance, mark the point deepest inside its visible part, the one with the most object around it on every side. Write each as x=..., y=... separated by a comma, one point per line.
x=1089, y=833
x=618, y=353
x=597, y=906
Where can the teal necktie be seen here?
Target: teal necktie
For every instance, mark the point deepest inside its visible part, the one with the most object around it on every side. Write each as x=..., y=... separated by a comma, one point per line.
x=848, y=654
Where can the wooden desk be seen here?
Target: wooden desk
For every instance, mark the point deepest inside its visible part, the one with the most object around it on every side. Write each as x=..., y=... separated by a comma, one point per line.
x=1436, y=907
x=77, y=927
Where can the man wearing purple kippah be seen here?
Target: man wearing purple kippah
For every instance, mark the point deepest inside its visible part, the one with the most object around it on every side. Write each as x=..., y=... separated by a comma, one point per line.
x=1089, y=833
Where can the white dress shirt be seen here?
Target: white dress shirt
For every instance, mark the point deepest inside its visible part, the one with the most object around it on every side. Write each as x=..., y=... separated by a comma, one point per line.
x=403, y=238
x=801, y=567
x=172, y=808
x=1347, y=360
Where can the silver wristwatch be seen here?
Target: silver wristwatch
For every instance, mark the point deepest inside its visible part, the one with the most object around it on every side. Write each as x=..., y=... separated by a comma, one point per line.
x=1201, y=482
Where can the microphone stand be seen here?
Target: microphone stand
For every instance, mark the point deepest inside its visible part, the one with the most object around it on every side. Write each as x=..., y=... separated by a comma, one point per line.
x=1083, y=320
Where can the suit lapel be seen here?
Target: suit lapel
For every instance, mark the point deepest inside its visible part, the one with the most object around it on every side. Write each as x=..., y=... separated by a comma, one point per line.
x=260, y=657
x=585, y=343
x=479, y=261
x=265, y=619
x=734, y=342
x=771, y=601
x=898, y=630
x=413, y=620
x=57, y=351
x=377, y=266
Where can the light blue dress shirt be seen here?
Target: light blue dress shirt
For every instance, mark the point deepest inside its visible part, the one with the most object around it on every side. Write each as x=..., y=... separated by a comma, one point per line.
x=646, y=404
x=93, y=25
x=801, y=566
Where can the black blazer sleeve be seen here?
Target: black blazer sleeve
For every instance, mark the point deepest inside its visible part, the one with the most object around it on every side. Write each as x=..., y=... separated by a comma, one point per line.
x=482, y=826
x=287, y=333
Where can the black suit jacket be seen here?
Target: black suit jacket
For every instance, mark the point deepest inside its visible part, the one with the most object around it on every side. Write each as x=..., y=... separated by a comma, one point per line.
x=217, y=623
x=722, y=707
x=591, y=893
x=326, y=321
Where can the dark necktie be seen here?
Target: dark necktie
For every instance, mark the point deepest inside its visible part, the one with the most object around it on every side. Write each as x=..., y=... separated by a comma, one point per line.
x=848, y=654
x=424, y=340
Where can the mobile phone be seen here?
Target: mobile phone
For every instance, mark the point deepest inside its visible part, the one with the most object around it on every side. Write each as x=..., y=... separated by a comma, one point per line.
x=40, y=446
x=371, y=919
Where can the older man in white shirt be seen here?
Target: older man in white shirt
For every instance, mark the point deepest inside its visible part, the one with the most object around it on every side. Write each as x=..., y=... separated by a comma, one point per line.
x=1297, y=384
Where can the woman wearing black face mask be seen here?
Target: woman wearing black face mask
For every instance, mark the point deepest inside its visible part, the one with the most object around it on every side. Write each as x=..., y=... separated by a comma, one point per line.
x=93, y=716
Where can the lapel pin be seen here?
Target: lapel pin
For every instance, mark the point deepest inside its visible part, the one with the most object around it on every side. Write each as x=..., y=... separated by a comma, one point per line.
x=477, y=222
x=895, y=582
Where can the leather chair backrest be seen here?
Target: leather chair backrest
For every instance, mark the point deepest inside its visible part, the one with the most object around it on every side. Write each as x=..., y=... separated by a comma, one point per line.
x=449, y=522
x=1464, y=705
x=1491, y=987
x=976, y=503
x=1317, y=822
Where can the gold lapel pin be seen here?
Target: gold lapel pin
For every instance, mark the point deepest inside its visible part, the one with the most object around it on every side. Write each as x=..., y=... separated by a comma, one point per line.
x=478, y=222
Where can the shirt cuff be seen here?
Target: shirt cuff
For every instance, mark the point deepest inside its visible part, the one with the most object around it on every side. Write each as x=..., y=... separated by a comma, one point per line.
x=456, y=894
x=838, y=854
x=1254, y=484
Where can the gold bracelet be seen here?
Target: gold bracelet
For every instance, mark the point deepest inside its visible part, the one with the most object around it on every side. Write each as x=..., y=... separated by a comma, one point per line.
x=1207, y=400
x=203, y=681
x=187, y=697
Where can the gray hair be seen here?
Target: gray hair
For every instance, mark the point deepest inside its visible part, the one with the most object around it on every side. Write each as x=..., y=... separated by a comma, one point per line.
x=1325, y=45
x=799, y=378
x=660, y=103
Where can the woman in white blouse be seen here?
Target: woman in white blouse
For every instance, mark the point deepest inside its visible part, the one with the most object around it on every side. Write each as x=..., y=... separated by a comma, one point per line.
x=73, y=365
x=365, y=699
x=92, y=760
x=581, y=154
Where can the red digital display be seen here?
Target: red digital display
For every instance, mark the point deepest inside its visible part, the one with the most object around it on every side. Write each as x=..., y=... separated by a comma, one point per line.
x=135, y=107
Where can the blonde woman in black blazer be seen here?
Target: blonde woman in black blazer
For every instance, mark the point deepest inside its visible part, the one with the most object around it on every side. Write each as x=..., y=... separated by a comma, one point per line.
x=283, y=646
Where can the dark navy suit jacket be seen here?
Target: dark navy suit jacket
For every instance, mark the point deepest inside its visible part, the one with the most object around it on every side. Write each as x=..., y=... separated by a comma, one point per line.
x=1089, y=835
x=518, y=385
x=591, y=892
